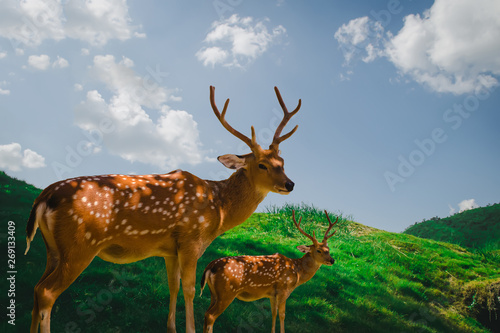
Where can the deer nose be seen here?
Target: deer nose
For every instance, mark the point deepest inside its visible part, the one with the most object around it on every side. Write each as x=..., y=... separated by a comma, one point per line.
x=289, y=186
x=332, y=261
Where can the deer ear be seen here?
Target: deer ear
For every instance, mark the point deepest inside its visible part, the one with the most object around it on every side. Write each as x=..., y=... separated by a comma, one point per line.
x=233, y=161
x=304, y=248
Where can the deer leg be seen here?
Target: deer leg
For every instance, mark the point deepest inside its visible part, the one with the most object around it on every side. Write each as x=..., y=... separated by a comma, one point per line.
x=174, y=275
x=274, y=311
x=188, y=280
x=215, y=310
x=281, y=307
x=35, y=314
x=209, y=321
x=49, y=289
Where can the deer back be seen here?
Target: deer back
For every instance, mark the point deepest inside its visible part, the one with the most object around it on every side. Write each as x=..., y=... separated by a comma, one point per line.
x=107, y=209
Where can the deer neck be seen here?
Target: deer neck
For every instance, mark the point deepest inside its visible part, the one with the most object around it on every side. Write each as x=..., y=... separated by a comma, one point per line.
x=306, y=267
x=239, y=198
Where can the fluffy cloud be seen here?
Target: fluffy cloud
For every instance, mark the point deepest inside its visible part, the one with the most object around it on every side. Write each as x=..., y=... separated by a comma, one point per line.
x=13, y=158
x=360, y=35
x=60, y=63
x=467, y=204
x=30, y=22
x=96, y=22
x=237, y=41
x=453, y=47
x=41, y=62
x=463, y=206
x=167, y=142
x=4, y=91
x=212, y=56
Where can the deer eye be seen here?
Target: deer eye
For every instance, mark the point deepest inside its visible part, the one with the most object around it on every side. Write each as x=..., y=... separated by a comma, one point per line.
x=262, y=166
x=319, y=251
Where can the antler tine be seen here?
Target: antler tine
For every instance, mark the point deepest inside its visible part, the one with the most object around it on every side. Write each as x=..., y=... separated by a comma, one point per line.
x=250, y=142
x=313, y=238
x=329, y=227
x=287, y=115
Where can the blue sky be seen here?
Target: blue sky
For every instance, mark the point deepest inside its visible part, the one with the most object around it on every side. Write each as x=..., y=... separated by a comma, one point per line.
x=400, y=99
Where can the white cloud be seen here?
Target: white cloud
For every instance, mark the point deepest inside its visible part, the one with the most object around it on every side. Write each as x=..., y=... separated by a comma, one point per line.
x=4, y=91
x=360, y=37
x=212, y=56
x=237, y=41
x=467, y=204
x=78, y=87
x=453, y=47
x=13, y=159
x=463, y=206
x=41, y=62
x=30, y=22
x=122, y=80
x=98, y=21
x=167, y=142
x=60, y=63
x=140, y=34
x=85, y=52
x=3, y=55
x=32, y=159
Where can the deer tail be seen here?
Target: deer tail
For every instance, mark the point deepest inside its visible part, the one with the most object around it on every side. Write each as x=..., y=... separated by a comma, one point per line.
x=204, y=278
x=33, y=222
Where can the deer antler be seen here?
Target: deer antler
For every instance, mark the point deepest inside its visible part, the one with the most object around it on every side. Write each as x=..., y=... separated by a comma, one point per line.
x=250, y=143
x=313, y=237
x=287, y=115
x=325, y=239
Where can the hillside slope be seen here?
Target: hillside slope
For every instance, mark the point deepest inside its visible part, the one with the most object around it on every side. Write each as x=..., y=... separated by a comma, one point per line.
x=380, y=282
x=16, y=196
x=475, y=228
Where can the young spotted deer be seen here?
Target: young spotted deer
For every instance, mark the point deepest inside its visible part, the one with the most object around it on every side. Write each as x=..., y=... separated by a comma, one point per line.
x=249, y=278
x=126, y=218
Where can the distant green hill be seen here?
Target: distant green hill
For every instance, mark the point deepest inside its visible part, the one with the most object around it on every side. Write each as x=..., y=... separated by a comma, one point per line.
x=380, y=282
x=475, y=228
x=16, y=197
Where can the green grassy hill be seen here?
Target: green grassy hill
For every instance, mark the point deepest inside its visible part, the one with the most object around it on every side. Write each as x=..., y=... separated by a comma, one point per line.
x=380, y=282
x=475, y=228
x=16, y=197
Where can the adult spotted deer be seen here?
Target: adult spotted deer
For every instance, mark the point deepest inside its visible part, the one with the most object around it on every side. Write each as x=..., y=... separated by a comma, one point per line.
x=126, y=218
x=250, y=278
